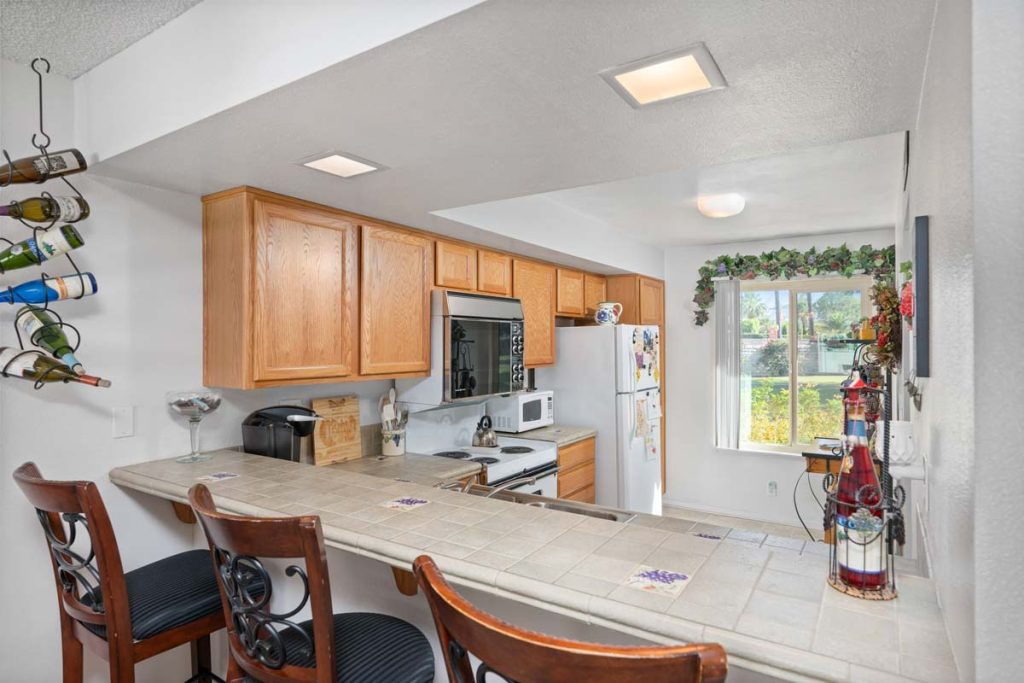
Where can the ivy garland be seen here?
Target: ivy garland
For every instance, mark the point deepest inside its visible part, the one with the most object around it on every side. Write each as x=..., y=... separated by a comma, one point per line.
x=789, y=263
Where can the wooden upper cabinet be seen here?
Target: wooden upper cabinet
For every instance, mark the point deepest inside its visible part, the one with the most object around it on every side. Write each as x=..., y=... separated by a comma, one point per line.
x=494, y=273
x=280, y=291
x=455, y=265
x=534, y=285
x=652, y=301
x=570, y=299
x=396, y=272
x=305, y=307
x=594, y=292
x=642, y=299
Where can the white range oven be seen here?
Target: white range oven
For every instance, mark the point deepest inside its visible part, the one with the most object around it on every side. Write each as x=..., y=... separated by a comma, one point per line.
x=522, y=411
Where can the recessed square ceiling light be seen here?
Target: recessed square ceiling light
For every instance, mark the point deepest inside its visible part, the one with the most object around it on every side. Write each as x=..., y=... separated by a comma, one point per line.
x=344, y=165
x=666, y=77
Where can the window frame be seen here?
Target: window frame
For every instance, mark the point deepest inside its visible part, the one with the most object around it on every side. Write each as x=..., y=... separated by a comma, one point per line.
x=793, y=288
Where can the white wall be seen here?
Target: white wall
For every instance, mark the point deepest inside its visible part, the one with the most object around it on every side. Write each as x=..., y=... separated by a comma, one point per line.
x=698, y=474
x=998, y=145
x=216, y=56
x=143, y=331
x=940, y=187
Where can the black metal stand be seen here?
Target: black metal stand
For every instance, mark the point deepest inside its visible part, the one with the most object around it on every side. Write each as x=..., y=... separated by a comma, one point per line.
x=41, y=141
x=891, y=499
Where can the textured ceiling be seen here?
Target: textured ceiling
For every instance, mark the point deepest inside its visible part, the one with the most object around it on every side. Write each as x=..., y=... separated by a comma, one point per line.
x=505, y=100
x=846, y=186
x=76, y=35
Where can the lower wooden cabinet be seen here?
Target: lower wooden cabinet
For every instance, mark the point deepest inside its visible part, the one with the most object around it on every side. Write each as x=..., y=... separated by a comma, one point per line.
x=396, y=272
x=576, y=470
x=534, y=284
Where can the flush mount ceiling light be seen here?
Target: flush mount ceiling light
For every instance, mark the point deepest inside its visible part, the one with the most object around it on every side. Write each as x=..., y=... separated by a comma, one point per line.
x=343, y=165
x=667, y=76
x=721, y=205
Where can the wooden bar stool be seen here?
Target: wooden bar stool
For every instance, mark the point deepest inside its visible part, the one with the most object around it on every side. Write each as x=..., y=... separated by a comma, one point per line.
x=124, y=618
x=515, y=654
x=357, y=647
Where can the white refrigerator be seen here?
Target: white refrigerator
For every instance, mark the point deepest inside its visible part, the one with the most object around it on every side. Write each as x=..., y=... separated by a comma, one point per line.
x=609, y=378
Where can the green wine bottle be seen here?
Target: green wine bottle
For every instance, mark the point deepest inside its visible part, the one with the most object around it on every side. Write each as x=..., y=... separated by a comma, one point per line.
x=39, y=328
x=36, y=367
x=52, y=242
x=46, y=209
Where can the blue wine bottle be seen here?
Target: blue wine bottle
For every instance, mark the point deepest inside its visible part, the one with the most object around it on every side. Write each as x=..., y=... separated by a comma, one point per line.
x=51, y=289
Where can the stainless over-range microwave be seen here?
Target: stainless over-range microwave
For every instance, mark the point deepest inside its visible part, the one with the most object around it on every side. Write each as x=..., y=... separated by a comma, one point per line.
x=476, y=350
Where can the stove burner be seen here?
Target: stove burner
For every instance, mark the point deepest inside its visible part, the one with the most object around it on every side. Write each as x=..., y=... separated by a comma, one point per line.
x=516, y=449
x=456, y=455
x=485, y=460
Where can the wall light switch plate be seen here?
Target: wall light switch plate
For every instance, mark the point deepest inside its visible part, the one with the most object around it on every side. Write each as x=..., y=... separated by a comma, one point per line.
x=124, y=422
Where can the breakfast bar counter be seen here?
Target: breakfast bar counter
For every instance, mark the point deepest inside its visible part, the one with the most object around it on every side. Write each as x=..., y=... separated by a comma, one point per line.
x=666, y=580
x=411, y=467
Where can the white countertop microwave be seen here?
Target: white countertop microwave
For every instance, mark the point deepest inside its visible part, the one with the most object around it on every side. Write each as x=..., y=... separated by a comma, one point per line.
x=523, y=411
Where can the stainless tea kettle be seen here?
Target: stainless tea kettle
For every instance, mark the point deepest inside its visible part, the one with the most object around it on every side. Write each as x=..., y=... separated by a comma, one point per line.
x=484, y=435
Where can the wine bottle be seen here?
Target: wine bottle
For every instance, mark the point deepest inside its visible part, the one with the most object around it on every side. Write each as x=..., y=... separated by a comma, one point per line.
x=46, y=209
x=42, y=167
x=859, y=519
x=40, y=291
x=42, y=247
x=36, y=367
x=39, y=328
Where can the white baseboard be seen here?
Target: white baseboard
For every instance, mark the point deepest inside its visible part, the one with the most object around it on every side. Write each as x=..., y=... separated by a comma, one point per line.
x=726, y=511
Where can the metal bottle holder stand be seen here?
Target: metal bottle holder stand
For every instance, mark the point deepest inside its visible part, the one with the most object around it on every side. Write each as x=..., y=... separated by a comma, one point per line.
x=41, y=141
x=890, y=499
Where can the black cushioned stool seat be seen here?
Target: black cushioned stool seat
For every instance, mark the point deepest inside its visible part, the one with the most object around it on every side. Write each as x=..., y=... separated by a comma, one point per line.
x=368, y=648
x=167, y=593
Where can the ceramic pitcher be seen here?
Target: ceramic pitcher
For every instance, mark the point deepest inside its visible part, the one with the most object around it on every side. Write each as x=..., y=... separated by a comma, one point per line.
x=608, y=313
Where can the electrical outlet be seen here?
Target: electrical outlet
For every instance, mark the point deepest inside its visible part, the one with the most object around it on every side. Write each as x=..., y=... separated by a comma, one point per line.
x=773, y=488
x=123, y=422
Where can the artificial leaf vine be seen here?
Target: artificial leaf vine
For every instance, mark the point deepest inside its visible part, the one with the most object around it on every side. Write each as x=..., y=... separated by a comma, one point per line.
x=790, y=263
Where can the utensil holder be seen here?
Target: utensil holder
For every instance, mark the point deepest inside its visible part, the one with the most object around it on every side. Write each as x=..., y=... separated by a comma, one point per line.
x=392, y=441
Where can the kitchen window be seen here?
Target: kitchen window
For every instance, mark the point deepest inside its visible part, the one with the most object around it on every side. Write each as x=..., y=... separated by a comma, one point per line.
x=780, y=361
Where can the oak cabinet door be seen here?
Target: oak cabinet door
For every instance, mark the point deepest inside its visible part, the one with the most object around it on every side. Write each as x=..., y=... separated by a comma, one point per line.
x=534, y=284
x=306, y=302
x=652, y=301
x=594, y=292
x=570, y=293
x=456, y=266
x=494, y=273
x=396, y=272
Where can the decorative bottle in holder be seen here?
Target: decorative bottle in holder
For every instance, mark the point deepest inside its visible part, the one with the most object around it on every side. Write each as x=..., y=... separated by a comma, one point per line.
x=36, y=367
x=36, y=169
x=46, y=209
x=44, y=290
x=39, y=328
x=860, y=547
x=42, y=246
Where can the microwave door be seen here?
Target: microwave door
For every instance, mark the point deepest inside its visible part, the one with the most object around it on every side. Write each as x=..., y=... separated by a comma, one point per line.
x=479, y=358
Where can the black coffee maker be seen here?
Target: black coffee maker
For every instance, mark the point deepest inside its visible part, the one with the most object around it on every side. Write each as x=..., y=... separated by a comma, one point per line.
x=278, y=431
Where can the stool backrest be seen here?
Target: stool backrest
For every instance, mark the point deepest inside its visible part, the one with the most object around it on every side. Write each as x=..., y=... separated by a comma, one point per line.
x=86, y=562
x=523, y=656
x=268, y=645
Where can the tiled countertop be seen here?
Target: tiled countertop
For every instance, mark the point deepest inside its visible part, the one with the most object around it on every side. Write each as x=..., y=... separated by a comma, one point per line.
x=563, y=435
x=427, y=470
x=769, y=606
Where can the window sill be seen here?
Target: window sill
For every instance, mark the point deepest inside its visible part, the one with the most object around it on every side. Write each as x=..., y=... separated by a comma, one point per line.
x=750, y=450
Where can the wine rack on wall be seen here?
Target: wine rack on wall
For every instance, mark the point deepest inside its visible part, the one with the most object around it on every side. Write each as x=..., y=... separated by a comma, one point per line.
x=48, y=320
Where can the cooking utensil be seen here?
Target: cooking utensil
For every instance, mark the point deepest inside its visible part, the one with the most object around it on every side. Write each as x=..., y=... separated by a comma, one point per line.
x=485, y=436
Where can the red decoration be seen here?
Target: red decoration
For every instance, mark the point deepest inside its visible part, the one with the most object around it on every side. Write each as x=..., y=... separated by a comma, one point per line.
x=907, y=304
